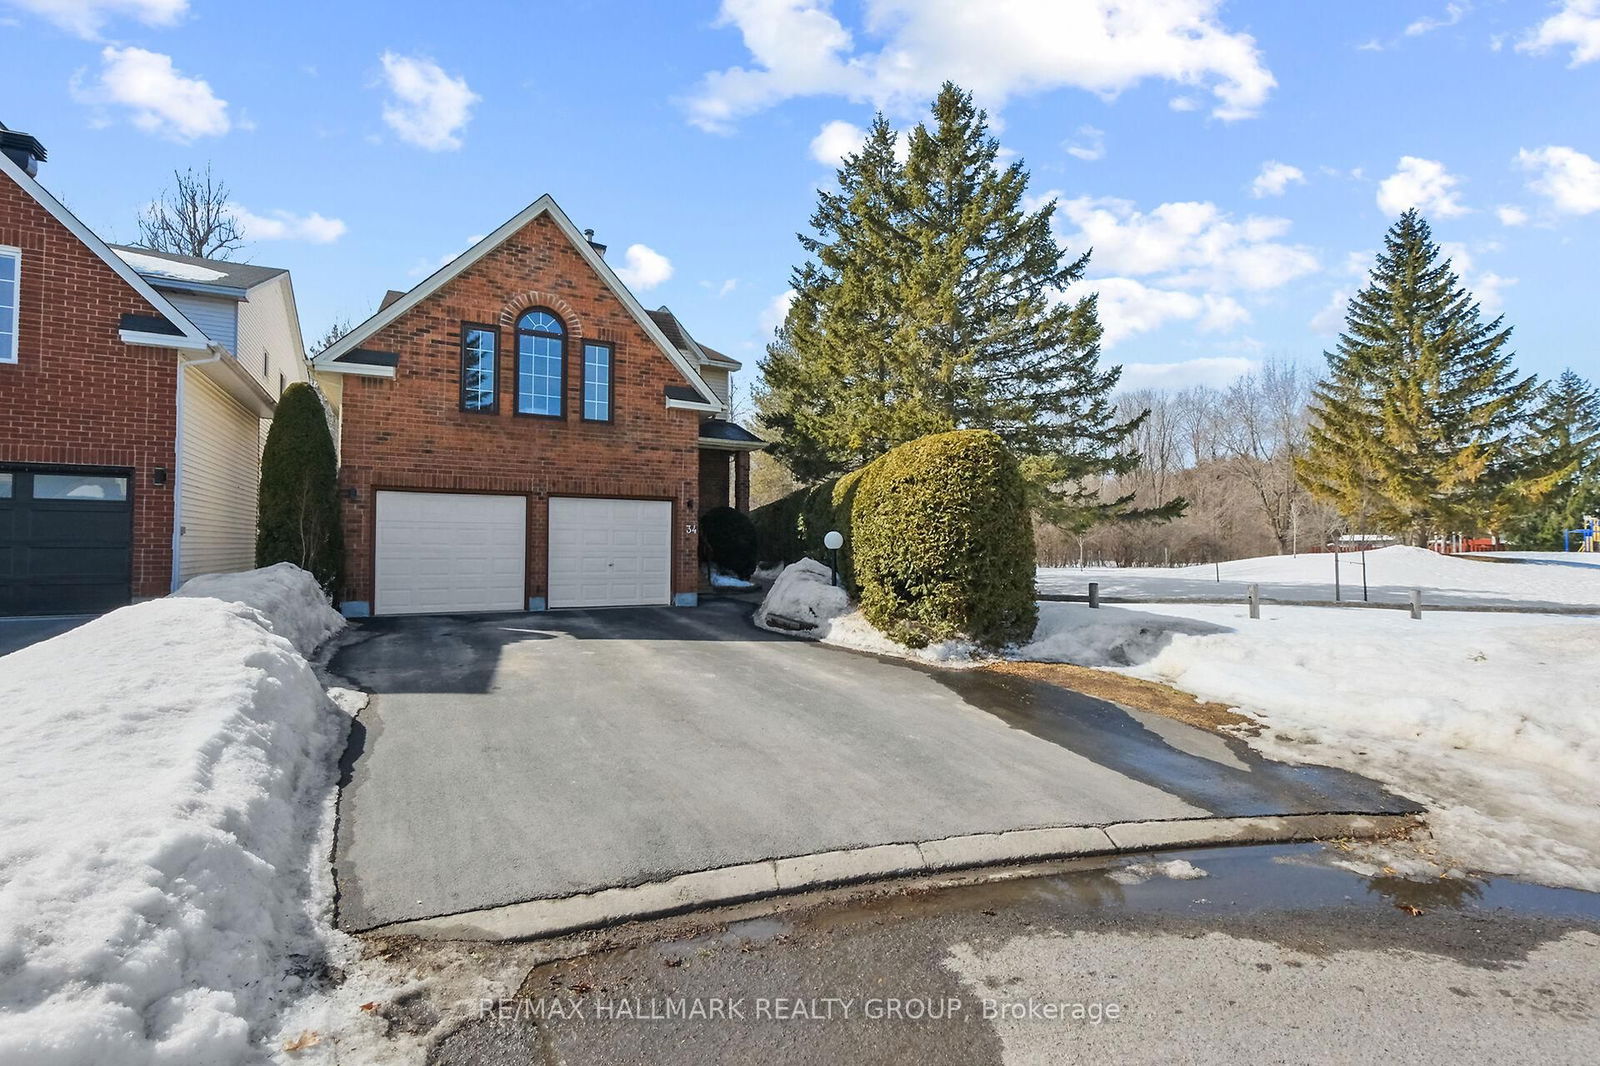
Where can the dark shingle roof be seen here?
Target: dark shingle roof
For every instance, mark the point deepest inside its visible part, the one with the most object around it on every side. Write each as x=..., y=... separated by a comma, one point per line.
x=717, y=429
x=390, y=297
x=685, y=392
x=369, y=357
x=679, y=336
x=669, y=325
x=149, y=324
x=234, y=275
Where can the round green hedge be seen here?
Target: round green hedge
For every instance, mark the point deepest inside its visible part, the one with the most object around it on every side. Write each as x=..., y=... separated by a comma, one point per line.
x=728, y=539
x=943, y=542
x=938, y=541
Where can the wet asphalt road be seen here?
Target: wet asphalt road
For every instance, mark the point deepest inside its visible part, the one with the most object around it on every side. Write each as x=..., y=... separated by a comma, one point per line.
x=1273, y=957
x=516, y=757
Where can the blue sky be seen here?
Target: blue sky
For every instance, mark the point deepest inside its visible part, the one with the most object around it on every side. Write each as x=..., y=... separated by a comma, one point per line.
x=1233, y=164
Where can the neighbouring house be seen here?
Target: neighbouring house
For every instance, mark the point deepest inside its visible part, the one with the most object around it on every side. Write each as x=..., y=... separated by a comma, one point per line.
x=517, y=433
x=133, y=389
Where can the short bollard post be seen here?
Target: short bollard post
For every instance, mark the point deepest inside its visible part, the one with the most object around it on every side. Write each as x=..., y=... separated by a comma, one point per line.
x=1094, y=594
x=1255, y=601
x=1416, y=603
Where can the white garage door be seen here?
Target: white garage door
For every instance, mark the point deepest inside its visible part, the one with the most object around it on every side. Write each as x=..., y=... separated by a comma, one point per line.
x=439, y=553
x=610, y=553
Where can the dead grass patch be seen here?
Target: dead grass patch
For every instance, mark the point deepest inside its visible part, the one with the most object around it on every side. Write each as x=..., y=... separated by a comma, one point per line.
x=1134, y=692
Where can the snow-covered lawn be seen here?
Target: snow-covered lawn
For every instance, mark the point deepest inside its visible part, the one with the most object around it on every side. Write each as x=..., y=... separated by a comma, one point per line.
x=1391, y=575
x=1491, y=720
x=165, y=779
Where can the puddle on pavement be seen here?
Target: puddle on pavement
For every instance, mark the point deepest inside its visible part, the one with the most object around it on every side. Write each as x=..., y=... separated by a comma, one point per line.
x=1223, y=775
x=1239, y=882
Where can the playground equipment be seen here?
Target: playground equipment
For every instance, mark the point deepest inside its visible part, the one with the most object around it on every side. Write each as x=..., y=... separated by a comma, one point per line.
x=1588, y=535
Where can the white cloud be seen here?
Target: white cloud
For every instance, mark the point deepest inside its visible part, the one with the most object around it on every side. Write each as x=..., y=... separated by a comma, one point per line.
x=87, y=17
x=428, y=107
x=643, y=268
x=1274, y=178
x=1330, y=320
x=161, y=99
x=1090, y=146
x=1569, y=179
x=1453, y=13
x=1128, y=307
x=798, y=48
x=1216, y=371
x=775, y=312
x=1576, y=25
x=1358, y=264
x=287, y=226
x=1184, y=103
x=1424, y=184
x=1188, y=244
x=836, y=140
x=1511, y=215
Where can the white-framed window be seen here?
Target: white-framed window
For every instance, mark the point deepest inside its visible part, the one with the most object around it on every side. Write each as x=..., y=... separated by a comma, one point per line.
x=10, y=301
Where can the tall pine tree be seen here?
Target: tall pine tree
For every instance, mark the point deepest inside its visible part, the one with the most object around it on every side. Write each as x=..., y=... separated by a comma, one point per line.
x=1566, y=434
x=933, y=300
x=1420, y=426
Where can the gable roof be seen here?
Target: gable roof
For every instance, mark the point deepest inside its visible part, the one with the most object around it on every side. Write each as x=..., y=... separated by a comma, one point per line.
x=678, y=334
x=182, y=269
x=189, y=335
x=330, y=358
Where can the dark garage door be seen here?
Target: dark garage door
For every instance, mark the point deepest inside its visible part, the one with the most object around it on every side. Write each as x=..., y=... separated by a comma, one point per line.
x=66, y=538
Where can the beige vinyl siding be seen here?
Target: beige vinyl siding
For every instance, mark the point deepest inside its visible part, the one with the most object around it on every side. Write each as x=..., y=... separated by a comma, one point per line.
x=717, y=378
x=269, y=338
x=217, y=316
x=221, y=462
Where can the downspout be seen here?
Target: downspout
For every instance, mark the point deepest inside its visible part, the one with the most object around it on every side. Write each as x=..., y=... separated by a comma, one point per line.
x=217, y=352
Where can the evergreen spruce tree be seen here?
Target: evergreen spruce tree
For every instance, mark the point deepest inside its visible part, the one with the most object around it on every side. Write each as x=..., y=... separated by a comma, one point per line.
x=298, y=516
x=933, y=300
x=1420, y=426
x=1566, y=434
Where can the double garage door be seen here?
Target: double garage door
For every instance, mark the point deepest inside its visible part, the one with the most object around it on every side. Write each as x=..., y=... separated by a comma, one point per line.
x=442, y=553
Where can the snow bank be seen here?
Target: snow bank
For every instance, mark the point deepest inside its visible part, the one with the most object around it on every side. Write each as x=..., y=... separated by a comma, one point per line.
x=1106, y=636
x=293, y=606
x=1391, y=574
x=164, y=774
x=1488, y=719
x=803, y=601
x=721, y=579
x=802, y=598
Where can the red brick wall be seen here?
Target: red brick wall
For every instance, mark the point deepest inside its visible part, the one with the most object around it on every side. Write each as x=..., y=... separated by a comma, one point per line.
x=77, y=394
x=410, y=432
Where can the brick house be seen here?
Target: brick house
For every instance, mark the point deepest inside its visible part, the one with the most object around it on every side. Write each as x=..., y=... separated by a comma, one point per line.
x=517, y=433
x=131, y=412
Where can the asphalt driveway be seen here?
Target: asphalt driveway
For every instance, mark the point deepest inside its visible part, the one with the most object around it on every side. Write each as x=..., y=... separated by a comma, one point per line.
x=517, y=757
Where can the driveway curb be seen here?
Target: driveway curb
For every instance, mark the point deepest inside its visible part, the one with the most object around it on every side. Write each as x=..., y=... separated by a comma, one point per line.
x=541, y=918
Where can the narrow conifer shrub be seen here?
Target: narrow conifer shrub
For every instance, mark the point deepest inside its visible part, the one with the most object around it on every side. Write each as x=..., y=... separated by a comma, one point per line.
x=298, y=517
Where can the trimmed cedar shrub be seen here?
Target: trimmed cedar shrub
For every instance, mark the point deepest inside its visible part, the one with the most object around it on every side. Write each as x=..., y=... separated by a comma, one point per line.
x=944, y=543
x=938, y=541
x=298, y=518
x=728, y=540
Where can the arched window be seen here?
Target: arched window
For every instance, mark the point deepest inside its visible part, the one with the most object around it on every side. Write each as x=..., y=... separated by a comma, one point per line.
x=541, y=365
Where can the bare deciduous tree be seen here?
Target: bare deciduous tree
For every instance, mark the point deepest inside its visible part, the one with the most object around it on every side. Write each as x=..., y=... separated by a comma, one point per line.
x=192, y=218
x=336, y=329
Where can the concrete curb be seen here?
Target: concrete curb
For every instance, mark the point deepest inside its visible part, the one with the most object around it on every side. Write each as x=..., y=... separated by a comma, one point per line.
x=541, y=918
